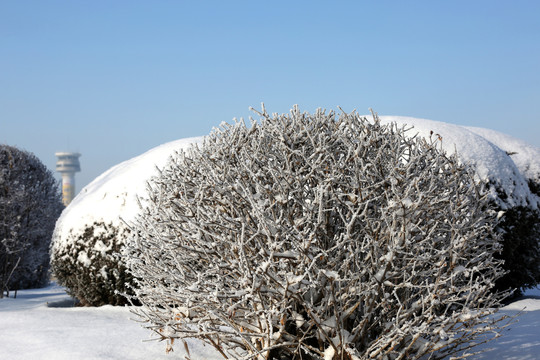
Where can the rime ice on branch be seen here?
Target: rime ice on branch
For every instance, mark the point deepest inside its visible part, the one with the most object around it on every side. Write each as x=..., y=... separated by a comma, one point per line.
x=318, y=236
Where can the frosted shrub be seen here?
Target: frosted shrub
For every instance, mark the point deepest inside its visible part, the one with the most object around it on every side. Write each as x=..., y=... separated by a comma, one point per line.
x=89, y=266
x=310, y=236
x=30, y=203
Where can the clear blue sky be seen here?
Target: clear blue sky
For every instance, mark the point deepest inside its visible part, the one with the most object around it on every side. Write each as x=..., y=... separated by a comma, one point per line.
x=112, y=79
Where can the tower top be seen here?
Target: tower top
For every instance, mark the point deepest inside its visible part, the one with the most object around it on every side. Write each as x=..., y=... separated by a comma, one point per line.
x=68, y=162
x=67, y=153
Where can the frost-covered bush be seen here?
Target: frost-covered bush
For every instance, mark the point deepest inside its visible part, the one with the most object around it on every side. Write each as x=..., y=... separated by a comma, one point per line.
x=311, y=236
x=30, y=203
x=510, y=168
x=89, y=265
x=91, y=232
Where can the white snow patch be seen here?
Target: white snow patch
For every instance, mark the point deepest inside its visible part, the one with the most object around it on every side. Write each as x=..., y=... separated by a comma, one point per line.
x=407, y=202
x=101, y=248
x=330, y=274
x=294, y=279
x=379, y=275
x=103, y=272
x=43, y=324
x=525, y=156
x=526, y=304
x=329, y=353
x=84, y=259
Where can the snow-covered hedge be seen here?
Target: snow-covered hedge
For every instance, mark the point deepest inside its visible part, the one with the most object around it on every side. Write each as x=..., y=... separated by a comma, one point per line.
x=505, y=163
x=311, y=236
x=511, y=170
x=30, y=203
x=520, y=224
x=90, y=268
x=91, y=230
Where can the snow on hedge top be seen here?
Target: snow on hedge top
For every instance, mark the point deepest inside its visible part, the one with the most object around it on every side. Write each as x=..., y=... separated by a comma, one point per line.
x=525, y=156
x=114, y=193
x=490, y=159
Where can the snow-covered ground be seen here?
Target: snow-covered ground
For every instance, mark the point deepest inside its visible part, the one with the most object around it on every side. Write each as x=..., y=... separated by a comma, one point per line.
x=521, y=341
x=41, y=324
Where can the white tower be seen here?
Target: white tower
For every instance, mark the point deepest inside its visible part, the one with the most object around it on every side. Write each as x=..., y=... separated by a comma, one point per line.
x=67, y=165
